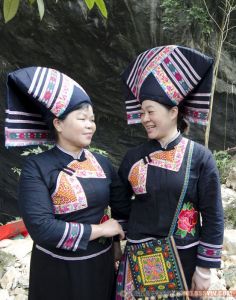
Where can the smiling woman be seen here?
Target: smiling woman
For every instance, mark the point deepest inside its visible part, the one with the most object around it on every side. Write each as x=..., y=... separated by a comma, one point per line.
x=75, y=130
x=65, y=191
x=173, y=181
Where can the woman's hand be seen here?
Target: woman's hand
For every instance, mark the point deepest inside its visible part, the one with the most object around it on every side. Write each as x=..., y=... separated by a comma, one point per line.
x=201, y=279
x=107, y=229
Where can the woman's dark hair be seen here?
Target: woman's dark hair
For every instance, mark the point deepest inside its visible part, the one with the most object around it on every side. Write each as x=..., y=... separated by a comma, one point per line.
x=182, y=124
x=50, y=117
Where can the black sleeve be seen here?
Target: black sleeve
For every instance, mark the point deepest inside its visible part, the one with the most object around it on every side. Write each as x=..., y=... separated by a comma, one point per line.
x=121, y=194
x=210, y=206
x=37, y=212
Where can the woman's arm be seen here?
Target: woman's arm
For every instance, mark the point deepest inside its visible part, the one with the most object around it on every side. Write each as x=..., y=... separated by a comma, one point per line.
x=211, y=209
x=211, y=238
x=37, y=211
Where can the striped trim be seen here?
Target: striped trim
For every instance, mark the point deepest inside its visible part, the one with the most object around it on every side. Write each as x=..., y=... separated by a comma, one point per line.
x=73, y=236
x=140, y=241
x=181, y=63
x=187, y=63
x=79, y=238
x=135, y=68
x=69, y=258
x=64, y=235
x=211, y=245
x=209, y=252
x=24, y=121
x=152, y=65
x=34, y=80
x=40, y=81
x=15, y=112
x=201, y=94
x=187, y=246
x=190, y=87
x=208, y=258
x=184, y=189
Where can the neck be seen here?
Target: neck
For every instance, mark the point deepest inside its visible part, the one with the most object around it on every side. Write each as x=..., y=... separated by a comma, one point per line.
x=74, y=151
x=168, y=138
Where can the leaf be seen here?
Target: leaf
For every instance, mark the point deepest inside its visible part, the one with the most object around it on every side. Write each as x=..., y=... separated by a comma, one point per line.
x=178, y=232
x=90, y=3
x=193, y=232
x=10, y=8
x=102, y=7
x=31, y=2
x=41, y=8
x=183, y=233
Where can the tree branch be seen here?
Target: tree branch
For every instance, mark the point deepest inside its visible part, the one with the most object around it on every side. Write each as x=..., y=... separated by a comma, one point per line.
x=210, y=15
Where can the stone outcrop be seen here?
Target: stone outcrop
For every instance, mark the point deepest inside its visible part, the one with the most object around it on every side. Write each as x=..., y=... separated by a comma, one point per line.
x=14, y=268
x=94, y=51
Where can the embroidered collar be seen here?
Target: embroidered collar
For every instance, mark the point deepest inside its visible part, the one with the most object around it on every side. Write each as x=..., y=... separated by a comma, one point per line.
x=170, y=145
x=77, y=156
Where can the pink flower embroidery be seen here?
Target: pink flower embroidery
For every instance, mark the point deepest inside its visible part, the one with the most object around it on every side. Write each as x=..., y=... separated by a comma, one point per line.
x=187, y=220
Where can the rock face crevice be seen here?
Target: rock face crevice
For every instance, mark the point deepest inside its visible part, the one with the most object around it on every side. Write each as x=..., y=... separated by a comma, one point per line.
x=94, y=51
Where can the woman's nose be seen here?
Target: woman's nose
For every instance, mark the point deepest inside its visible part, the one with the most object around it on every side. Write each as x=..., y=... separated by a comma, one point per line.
x=89, y=124
x=145, y=118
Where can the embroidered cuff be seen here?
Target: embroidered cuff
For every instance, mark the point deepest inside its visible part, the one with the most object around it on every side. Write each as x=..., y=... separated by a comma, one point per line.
x=76, y=236
x=209, y=255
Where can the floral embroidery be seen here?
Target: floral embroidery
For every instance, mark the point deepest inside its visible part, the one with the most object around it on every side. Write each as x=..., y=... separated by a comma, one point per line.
x=167, y=85
x=72, y=237
x=187, y=220
x=69, y=194
x=170, y=160
x=89, y=168
x=150, y=67
x=63, y=98
x=209, y=252
x=138, y=177
x=50, y=87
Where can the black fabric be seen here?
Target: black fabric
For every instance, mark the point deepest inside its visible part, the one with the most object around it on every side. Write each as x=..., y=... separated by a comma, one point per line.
x=151, y=212
x=56, y=279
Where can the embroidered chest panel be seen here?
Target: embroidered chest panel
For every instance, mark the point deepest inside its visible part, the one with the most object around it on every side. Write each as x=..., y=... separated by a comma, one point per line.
x=170, y=160
x=69, y=195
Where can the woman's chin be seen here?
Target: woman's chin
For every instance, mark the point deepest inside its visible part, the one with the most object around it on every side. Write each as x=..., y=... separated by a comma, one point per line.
x=152, y=136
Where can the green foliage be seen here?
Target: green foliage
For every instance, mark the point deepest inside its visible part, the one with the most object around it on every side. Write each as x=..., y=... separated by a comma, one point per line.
x=97, y=150
x=45, y=147
x=102, y=7
x=90, y=3
x=223, y=162
x=10, y=7
x=183, y=14
x=36, y=150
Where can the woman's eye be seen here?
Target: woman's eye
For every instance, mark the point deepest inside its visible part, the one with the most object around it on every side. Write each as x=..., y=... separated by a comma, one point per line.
x=81, y=119
x=150, y=112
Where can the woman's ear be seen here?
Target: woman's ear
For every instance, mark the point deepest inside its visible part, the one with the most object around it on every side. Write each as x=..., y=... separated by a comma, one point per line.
x=57, y=124
x=174, y=112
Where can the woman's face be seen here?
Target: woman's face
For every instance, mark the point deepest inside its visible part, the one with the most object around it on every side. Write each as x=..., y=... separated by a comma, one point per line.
x=77, y=129
x=158, y=121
